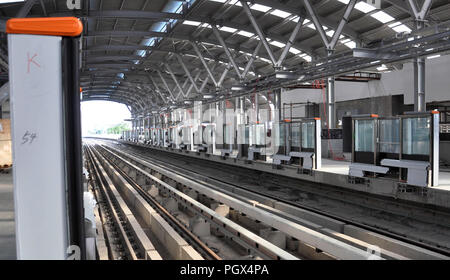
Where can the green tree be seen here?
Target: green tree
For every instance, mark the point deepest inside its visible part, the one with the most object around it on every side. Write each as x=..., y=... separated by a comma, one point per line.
x=118, y=128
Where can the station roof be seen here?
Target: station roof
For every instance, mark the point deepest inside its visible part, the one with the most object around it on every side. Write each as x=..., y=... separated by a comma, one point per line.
x=159, y=53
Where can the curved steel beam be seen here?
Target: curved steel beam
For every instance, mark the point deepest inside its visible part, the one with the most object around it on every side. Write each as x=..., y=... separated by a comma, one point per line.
x=123, y=100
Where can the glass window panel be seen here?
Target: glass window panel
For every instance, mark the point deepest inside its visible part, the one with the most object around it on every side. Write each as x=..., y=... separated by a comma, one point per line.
x=186, y=135
x=279, y=130
x=416, y=136
x=295, y=128
x=308, y=135
x=364, y=135
x=390, y=136
x=226, y=135
x=246, y=135
x=260, y=135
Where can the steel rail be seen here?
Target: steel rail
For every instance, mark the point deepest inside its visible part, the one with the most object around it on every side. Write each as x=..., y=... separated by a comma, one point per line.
x=240, y=235
x=208, y=252
x=316, y=239
x=99, y=173
x=442, y=251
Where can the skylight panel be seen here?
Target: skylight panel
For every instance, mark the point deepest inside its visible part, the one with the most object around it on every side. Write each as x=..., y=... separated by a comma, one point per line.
x=277, y=44
x=220, y=1
x=382, y=68
x=382, y=17
x=265, y=59
x=190, y=22
x=294, y=51
x=261, y=8
x=330, y=33
x=344, y=1
x=392, y=25
x=228, y=29
x=364, y=7
x=307, y=58
x=433, y=56
x=311, y=25
x=280, y=13
x=350, y=44
x=402, y=28
x=246, y=34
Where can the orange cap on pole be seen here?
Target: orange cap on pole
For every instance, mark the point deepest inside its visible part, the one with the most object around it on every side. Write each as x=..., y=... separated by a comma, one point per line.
x=56, y=26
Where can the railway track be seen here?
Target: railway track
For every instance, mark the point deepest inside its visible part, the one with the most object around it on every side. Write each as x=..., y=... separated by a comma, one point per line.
x=244, y=241
x=414, y=224
x=316, y=235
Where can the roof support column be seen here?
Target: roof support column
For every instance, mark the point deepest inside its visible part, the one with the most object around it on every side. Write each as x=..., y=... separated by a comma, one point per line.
x=157, y=88
x=202, y=59
x=258, y=31
x=180, y=59
x=252, y=60
x=290, y=42
x=192, y=85
x=331, y=120
x=175, y=80
x=419, y=62
x=227, y=51
x=277, y=105
x=165, y=84
x=330, y=103
x=224, y=74
x=419, y=80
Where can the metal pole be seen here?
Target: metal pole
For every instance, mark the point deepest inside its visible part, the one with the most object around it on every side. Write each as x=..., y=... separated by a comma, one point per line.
x=419, y=80
x=256, y=108
x=330, y=100
x=242, y=111
x=277, y=105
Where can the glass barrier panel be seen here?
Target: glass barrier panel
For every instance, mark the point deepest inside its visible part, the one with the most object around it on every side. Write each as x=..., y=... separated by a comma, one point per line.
x=227, y=134
x=416, y=136
x=308, y=135
x=186, y=135
x=390, y=136
x=246, y=135
x=279, y=134
x=364, y=133
x=295, y=136
x=242, y=134
x=252, y=133
x=260, y=134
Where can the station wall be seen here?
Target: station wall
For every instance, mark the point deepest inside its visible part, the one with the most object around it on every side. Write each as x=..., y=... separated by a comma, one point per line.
x=399, y=82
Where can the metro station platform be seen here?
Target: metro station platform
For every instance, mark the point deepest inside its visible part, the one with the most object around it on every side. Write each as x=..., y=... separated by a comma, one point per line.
x=335, y=173
x=342, y=167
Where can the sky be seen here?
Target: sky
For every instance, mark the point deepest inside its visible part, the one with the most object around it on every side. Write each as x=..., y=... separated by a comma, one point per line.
x=102, y=115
